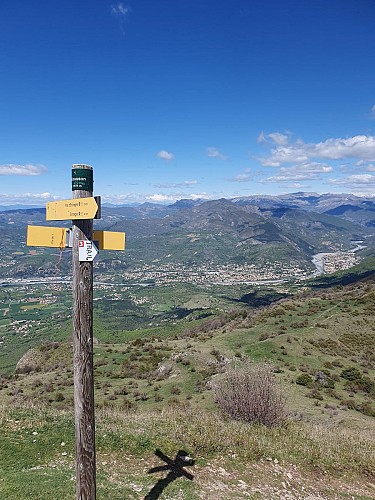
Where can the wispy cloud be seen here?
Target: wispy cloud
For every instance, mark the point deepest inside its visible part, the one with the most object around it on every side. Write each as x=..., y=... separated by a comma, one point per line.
x=287, y=178
x=372, y=114
x=262, y=137
x=165, y=155
x=27, y=198
x=279, y=138
x=360, y=184
x=275, y=137
x=26, y=170
x=121, y=13
x=215, y=153
x=295, y=185
x=365, y=165
x=358, y=179
x=244, y=177
x=304, y=171
x=161, y=197
x=119, y=9
x=176, y=185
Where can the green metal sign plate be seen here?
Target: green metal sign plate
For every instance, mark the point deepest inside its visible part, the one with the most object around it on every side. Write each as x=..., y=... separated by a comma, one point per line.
x=82, y=179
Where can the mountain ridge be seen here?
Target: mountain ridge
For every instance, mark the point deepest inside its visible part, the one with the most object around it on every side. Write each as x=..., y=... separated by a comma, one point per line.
x=213, y=232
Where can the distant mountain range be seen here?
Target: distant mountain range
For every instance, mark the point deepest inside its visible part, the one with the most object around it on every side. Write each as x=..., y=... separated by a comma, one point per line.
x=333, y=204
x=4, y=208
x=348, y=206
x=308, y=201
x=254, y=229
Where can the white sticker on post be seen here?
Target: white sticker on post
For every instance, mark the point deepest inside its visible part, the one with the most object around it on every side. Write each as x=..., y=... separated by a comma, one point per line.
x=87, y=251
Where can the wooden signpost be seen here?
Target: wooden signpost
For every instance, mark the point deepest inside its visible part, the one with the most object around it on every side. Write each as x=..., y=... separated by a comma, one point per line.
x=83, y=351
x=82, y=209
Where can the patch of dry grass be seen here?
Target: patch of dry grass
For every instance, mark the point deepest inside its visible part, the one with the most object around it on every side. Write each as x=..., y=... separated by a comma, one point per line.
x=126, y=444
x=206, y=434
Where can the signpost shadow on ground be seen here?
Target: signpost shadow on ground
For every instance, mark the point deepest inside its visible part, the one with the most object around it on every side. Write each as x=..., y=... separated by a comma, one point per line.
x=175, y=468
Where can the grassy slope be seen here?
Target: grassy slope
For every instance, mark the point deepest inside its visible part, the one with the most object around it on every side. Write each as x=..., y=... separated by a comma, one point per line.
x=321, y=332
x=30, y=316
x=37, y=457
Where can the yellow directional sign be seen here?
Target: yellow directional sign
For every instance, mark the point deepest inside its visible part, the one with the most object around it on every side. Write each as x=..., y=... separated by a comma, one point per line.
x=110, y=240
x=60, y=237
x=80, y=208
x=43, y=236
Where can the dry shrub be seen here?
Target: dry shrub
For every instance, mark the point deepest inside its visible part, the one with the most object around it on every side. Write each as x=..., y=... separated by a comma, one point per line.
x=250, y=393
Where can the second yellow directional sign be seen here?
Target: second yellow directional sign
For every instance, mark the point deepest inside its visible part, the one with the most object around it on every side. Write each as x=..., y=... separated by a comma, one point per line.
x=44, y=236
x=110, y=240
x=80, y=208
x=60, y=237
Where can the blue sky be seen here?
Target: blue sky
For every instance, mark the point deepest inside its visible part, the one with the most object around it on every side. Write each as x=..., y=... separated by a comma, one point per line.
x=186, y=99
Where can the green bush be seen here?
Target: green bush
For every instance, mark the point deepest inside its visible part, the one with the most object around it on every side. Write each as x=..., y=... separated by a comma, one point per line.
x=367, y=385
x=351, y=374
x=305, y=380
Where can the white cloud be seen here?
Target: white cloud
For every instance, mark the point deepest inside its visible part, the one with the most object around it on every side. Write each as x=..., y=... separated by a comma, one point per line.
x=352, y=180
x=26, y=170
x=174, y=197
x=244, y=177
x=295, y=185
x=261, y=137
x=359, y=147
x=160, y=197
x=373, y=111
x=27, y=198
x=120, y=9
x=359, y=184
x=365, y=166
x=121, y=199
x=304, y=171
x=164, y=155
x=279, y=139
x=176, y=185
x=275, y=137
x=288, y=178
x=132, y=197
x=190, y=183
x=312, y=168
x=215, y=153
x=202, y=196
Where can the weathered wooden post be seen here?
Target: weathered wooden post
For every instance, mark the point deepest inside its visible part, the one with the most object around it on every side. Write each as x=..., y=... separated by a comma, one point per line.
x=81, y=210
x=82, y=187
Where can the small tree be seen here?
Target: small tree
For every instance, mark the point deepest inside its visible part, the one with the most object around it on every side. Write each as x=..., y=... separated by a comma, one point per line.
x=250, y=393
